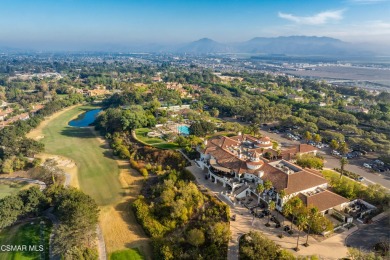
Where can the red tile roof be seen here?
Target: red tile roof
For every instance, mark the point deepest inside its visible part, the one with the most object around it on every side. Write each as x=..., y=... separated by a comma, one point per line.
x=323, y=200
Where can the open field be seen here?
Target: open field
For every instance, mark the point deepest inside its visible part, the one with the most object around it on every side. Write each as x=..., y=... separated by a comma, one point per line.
x=26, y=234
x=141, y=135
x=380, y=76
x=129, y=254
x=12, y=187
x=112, y=183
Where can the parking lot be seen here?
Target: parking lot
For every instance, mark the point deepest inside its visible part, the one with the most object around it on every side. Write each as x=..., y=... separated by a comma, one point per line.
x=355, y=164
x=365, y=238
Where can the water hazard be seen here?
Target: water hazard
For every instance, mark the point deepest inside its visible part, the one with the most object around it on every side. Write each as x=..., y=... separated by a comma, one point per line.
x=85, y=119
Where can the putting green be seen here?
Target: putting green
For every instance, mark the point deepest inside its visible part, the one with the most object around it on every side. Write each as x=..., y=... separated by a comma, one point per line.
x=97, y=170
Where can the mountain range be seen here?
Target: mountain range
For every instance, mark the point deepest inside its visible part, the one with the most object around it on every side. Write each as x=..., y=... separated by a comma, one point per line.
x=283, y=45
x=291, y=45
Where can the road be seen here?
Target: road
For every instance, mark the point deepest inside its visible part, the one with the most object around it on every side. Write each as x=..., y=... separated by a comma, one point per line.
x=355, y=165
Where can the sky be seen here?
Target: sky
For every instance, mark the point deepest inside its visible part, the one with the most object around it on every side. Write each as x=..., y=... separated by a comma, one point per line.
x=87, y=23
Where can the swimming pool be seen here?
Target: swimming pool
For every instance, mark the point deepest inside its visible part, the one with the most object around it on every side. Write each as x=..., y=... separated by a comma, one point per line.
x=183, y=129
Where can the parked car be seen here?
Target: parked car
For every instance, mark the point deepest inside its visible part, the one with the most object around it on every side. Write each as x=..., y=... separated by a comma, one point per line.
x=334, y=152
x=266, y=212
x=286, y=228
x=360, y=178
x=366, y=165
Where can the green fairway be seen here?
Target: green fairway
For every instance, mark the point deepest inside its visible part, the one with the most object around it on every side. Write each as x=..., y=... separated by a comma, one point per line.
x=28, y=234
x=97, y=171
x=12, y=187
x=141, y=134
x=129, y=254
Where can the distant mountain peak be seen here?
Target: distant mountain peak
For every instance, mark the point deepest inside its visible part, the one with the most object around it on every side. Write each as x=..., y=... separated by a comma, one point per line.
x=205, y=40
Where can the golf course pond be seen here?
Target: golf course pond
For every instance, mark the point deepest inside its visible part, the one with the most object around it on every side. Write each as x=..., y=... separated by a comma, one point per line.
x=85, y=119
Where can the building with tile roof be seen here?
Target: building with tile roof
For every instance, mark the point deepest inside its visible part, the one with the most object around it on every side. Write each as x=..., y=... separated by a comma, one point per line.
x=237, y=162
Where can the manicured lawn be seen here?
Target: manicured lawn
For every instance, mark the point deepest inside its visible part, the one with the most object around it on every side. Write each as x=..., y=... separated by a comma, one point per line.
x=12, y=187
x=329, y=174
x=26, y=234
x=171, y=146
x=97, y=171
x=128, y=254
x=141, y=134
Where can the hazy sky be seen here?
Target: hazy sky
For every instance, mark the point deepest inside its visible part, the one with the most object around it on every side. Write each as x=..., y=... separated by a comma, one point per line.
x=50, y=23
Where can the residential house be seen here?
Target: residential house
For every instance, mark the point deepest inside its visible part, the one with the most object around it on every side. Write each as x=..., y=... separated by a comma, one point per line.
x=5, y=113
x=295, y=98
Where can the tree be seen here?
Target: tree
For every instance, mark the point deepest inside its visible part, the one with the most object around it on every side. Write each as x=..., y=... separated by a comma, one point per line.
x=310, y=161
x=267, y=185
x=271, y=207
x=301, y=223
x=343, y=162
x=267, y=155
x=343, y=148
x=260, y=188
x=296, y=204
x=195, y=237
x=317, y=138
x=255, y=246
x=78, y=214
x=312, y=216
x=357, y=254
x=214, y=112
x=281, y=194
x=220, y=233
x=307, y=136
x=334, y=144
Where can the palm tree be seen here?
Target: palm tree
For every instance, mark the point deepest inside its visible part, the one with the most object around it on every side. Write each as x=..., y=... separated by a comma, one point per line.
x=267, y=185
x=278, y=152
x=296, y=204
x=287, y=210
x=313, y=213
x=301, y=223
x=260, y=188
x=271, y=207
x=343, y=162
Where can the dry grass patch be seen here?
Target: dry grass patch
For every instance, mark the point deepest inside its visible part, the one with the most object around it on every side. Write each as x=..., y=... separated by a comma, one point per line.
x=118, y=223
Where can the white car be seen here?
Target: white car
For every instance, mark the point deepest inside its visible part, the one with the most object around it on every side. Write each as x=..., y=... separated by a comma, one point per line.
x=367, y=165
x=360, y=178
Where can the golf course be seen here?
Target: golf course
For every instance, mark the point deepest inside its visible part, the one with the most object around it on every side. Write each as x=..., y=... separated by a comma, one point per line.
x=97, y=170
x=109, y=181
x=11, y=187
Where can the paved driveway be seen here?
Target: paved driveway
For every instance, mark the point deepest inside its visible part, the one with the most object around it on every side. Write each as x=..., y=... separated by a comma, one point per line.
x=365, y=238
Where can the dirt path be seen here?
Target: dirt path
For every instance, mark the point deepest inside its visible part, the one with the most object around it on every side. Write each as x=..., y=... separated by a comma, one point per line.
x=41, y=184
